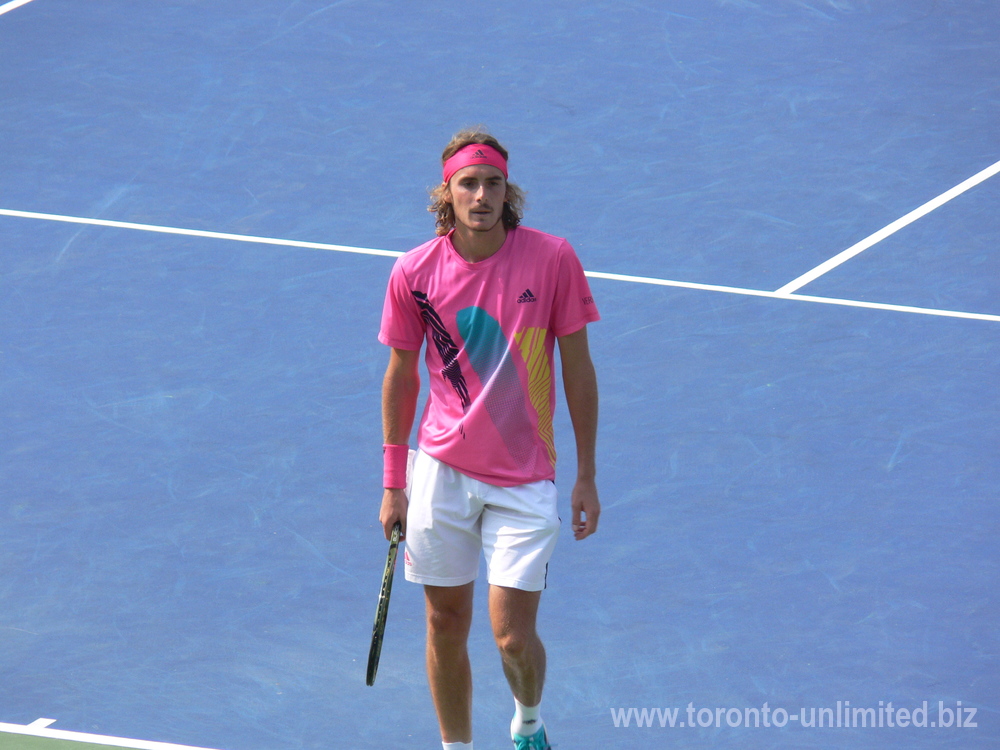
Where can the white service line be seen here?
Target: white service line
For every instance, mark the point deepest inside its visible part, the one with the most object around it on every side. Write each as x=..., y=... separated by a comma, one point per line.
x=891, y=229
x=592, y=274
x=197, y=233
x=8, y=7
x=795, y=297
x=39, y=728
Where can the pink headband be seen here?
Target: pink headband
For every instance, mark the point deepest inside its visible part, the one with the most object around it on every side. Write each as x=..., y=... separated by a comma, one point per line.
x=472, y=155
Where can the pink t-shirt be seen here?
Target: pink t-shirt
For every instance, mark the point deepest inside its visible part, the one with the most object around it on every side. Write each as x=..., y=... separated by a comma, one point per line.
x=490, y=329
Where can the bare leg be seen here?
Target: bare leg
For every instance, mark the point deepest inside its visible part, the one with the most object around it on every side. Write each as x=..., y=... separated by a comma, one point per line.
x=449, y=617
x=513, y=613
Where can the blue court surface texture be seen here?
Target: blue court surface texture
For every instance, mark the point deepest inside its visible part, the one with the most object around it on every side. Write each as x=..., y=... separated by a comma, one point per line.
x=799, y=480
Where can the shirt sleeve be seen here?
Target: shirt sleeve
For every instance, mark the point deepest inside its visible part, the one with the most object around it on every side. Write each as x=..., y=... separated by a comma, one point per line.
x=402, y=325
x=574, y=304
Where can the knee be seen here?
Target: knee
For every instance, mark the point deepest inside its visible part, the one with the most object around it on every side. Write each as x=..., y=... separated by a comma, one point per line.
x=449, y=623
x=514, y=643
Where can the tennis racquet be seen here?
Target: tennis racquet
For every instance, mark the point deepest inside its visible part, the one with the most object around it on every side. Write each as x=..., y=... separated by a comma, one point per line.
x=378, y=630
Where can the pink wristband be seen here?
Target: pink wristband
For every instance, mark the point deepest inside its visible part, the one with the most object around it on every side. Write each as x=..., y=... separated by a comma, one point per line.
x=394, y=460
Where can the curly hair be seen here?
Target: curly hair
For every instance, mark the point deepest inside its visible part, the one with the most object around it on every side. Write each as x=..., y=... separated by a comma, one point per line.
x=513, y=204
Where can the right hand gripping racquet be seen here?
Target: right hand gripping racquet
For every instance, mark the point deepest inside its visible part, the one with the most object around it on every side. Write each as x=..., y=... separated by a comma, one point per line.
x=378, y=630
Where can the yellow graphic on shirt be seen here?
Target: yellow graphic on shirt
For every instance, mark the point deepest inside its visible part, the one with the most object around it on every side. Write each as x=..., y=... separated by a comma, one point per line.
x=531, y=342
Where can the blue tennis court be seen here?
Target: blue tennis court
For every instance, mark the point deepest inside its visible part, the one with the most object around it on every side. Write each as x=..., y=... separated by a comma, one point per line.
x=789, y=212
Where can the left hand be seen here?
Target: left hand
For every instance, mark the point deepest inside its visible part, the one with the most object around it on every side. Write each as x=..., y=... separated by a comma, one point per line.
x=586, y=508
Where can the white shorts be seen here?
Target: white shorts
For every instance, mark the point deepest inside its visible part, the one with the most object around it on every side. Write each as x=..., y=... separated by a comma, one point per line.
x=452, y=518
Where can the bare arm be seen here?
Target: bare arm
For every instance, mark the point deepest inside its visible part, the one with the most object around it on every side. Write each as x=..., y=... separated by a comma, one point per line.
x=580, y=383
x=400, y=390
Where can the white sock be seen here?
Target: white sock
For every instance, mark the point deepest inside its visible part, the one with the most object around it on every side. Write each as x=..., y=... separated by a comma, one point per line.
x=456, y=745
x=527, y=719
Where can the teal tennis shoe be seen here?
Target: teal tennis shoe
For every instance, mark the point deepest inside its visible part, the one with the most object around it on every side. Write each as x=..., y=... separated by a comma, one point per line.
x=537, y=741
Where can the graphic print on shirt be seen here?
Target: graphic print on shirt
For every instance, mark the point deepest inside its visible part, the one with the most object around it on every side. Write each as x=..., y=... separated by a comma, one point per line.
x=503, y=394
x=446, y=348
x=531, y=342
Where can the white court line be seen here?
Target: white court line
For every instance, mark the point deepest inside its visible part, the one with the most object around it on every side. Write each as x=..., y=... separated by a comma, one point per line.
x=197, y=233
x=891, y=229
x=592, y=274
x=39, y=728
x=795, y=297
x=7, y=7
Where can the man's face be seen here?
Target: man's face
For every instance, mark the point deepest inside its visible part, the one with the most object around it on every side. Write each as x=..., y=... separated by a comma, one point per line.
x=477, y=194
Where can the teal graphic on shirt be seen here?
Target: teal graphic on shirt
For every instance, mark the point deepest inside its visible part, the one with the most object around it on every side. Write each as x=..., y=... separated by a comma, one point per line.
x=503, y=394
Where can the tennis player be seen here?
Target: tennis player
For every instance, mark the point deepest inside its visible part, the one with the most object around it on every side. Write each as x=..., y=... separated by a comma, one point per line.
x=490, y=298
